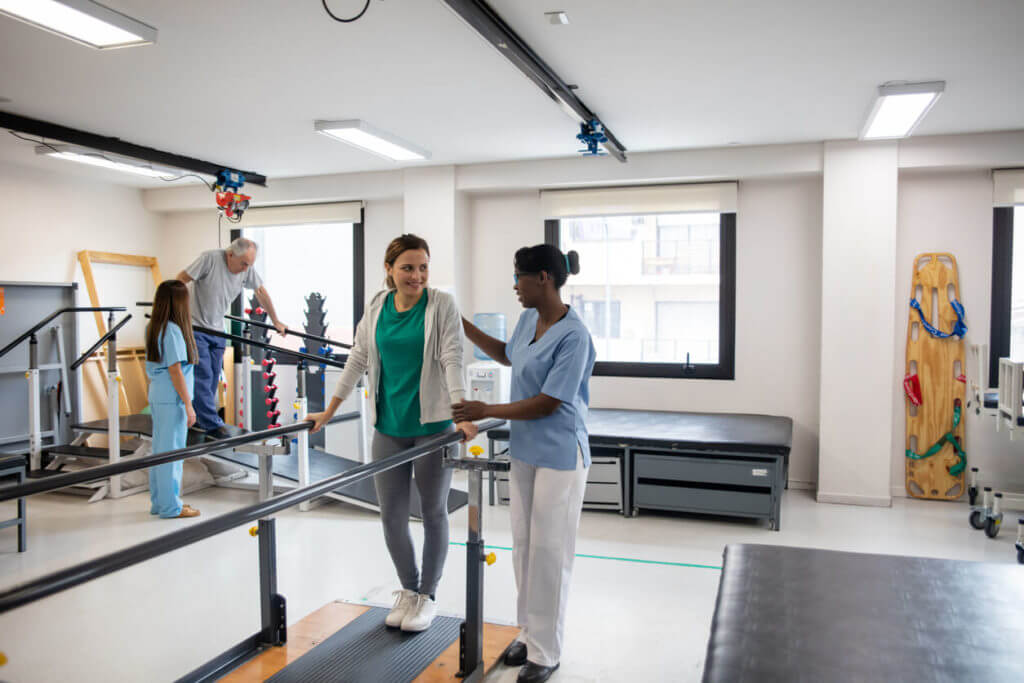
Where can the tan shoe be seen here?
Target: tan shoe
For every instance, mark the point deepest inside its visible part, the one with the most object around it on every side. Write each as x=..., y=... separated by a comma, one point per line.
x=188, y=511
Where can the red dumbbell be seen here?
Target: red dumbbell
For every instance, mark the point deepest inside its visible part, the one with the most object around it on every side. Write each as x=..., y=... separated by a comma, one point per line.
x=272, y=402
x=273, y=426
x=272, y=414
x=269, y=376
x=269, y=361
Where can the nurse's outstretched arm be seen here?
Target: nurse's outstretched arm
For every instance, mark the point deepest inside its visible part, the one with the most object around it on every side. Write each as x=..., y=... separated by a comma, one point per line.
x=531, y=408
x=495, y=348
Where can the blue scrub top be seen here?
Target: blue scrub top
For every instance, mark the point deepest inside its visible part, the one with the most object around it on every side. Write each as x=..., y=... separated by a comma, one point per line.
x=559, y=364
x=172, y=350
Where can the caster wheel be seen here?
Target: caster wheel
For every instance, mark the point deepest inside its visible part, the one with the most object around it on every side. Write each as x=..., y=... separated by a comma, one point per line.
x=977, y=519
x=992, y=527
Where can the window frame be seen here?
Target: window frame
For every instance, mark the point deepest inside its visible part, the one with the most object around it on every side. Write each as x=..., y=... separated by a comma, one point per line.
x=1002, y=290
x=725, y=369
x=358, y=284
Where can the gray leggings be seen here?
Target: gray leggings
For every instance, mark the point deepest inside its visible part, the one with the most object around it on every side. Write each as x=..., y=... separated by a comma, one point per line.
x=433, y=480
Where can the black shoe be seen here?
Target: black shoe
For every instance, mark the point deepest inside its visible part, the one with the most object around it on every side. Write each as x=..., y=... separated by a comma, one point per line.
x=535, y=673
x=221, y=432
x=515, y=655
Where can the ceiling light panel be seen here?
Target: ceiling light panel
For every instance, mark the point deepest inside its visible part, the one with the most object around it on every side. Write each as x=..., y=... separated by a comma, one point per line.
x=102, y=160
x=359, y=134
x=900, y=108
x=82, y=21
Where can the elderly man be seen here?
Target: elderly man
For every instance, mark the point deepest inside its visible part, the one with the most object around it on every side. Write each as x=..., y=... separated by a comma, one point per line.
x=219, y=276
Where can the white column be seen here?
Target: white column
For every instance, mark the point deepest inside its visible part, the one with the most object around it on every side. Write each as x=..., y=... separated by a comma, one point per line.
x=859, y=291
x=429, y=206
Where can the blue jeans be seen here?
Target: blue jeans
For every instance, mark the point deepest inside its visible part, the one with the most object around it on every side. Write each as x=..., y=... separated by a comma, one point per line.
x=207, y=376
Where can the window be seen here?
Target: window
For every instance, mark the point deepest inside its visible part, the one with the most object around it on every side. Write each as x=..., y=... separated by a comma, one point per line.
x=295, y=261
x=1007, y=329
x=660, y=303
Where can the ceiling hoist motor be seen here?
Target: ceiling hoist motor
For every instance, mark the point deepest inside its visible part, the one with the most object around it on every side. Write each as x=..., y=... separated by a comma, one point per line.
x=226, y=191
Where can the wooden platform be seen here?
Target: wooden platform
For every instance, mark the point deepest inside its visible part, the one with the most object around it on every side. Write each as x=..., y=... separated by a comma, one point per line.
x=323, y=623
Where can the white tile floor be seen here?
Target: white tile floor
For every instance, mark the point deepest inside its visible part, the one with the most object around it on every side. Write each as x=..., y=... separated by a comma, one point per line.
x=627, y=620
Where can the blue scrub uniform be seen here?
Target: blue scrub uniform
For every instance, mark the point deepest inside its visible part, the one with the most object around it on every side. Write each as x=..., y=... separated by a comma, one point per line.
x=170, y=423
x=550, y=457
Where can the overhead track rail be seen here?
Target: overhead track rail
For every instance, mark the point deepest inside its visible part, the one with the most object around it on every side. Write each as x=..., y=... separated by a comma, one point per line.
x=53, y=131
x=494, y=30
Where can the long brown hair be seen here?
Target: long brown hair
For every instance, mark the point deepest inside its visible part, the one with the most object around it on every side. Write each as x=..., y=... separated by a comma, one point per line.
x=399, y=246
x=170, y=304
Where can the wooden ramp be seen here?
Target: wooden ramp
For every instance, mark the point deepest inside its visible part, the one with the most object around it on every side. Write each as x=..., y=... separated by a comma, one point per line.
x=940, y=368
x=321, y=624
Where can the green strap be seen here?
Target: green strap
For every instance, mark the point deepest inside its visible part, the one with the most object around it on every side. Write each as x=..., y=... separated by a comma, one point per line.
x=948, y=437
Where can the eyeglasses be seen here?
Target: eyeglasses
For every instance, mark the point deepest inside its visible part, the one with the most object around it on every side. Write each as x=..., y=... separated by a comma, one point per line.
x=516, y=276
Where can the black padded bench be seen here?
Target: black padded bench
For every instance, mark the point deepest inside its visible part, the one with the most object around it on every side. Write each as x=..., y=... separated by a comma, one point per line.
x=800, y=614
x=12, y=472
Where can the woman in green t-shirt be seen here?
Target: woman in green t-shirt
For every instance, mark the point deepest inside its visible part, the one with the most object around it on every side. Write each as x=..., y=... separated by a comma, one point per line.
x=409, y=344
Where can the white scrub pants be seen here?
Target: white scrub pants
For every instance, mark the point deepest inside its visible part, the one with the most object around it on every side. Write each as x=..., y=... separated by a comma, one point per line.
x=545, y=507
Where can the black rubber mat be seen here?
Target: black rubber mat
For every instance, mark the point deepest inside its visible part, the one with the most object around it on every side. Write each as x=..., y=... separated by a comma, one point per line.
x=366, y=650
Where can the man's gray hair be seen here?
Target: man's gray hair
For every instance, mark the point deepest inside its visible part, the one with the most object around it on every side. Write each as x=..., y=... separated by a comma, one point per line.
x=240, y=245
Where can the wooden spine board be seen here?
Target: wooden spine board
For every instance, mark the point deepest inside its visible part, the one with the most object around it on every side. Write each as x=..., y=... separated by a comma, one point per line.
x=934, y=361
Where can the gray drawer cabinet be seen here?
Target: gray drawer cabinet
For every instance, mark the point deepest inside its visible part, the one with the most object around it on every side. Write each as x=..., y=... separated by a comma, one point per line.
x=724, y=484
x=604, y=491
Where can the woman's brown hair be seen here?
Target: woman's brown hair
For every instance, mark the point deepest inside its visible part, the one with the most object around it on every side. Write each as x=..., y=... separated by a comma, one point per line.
x=170, y=304
x=399, y=246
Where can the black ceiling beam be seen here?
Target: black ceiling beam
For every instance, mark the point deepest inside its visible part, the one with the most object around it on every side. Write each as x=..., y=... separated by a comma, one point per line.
x=494, y=30
x=53, y=131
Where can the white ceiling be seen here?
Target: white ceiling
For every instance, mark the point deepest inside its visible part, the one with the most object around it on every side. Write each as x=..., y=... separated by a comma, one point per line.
x=240, y=82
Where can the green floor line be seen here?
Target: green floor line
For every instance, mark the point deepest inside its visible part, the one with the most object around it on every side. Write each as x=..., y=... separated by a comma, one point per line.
x=617, y=559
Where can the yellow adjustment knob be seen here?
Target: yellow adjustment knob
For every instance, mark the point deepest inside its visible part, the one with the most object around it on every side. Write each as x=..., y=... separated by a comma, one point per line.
x=477, y=451
x=296, y=405
x=254, y=531
x=28, y=374
x=490, y=558
x=118, y=378
x=3, y=659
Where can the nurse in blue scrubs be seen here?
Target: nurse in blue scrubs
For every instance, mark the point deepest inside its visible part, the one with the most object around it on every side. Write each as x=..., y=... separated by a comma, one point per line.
x=552, y=357
x=170, y=359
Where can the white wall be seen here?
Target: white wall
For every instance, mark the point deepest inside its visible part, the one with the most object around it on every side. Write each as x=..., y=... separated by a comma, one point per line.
x=48, y=217
x=859, y=225
x=778, y=311
x=952, y=211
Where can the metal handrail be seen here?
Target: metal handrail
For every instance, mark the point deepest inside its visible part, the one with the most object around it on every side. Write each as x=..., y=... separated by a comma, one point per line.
x=100, y=342
x=78, y=574
x=319, y=360
x=47, y=319
x=59, y=481
x=288, y=330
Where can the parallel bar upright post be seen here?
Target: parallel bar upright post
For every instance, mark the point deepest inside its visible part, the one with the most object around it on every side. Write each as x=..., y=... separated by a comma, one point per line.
x=35, y=438
x=471, y=654
x=301, y=406
x=113, y=409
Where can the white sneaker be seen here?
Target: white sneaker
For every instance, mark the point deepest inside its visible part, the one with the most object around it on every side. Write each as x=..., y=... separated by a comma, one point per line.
x=421, y=615
x=405, y=602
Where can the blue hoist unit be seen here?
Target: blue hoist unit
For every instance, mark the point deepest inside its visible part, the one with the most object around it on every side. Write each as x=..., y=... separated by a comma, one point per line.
x=592, y=135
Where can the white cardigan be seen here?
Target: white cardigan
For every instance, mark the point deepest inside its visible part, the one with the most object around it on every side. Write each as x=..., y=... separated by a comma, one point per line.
x=441, y=382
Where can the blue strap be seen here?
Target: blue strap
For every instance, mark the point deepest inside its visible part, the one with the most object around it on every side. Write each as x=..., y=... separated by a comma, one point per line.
x=959, y=328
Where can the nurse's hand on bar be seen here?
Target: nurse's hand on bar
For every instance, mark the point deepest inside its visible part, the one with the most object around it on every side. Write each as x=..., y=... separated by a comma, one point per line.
x=468, y=411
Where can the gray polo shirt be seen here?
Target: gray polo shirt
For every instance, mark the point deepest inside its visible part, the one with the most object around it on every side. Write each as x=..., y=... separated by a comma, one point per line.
x=215, y=287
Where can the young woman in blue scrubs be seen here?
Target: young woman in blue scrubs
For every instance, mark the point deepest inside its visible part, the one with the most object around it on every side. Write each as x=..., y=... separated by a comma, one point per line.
x=552, y=357
x=170, y=358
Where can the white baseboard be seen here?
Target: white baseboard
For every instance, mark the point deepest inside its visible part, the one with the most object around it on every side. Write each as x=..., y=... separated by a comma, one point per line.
x=802, y=485
x=854, y=499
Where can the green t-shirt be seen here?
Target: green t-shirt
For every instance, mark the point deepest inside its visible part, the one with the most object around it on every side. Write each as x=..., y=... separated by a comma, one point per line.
x=400, y=339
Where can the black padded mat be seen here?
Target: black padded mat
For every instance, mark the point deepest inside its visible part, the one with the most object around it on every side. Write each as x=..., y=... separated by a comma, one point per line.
x=323, y=465
x=709, y=431
x=366, y=650
x=799, y=614
x=142, y=425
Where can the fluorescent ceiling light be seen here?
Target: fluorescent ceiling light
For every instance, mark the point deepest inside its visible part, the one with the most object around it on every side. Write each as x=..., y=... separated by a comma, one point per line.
x=358, y=134
x=900, y=108
x=104, y=160
x=558, y=17
x=82, y=21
